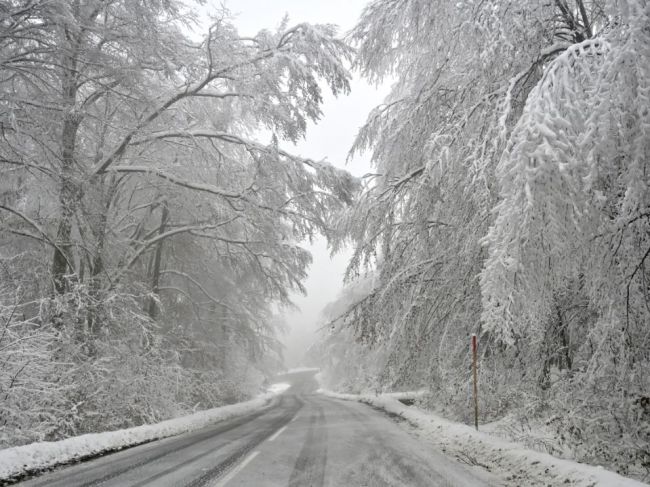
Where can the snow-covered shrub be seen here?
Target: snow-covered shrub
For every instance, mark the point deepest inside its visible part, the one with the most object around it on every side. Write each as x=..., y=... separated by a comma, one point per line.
x=32, y=393
x=59, y=378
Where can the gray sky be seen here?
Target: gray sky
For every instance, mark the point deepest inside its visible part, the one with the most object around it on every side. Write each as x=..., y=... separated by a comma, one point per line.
x=331, y=138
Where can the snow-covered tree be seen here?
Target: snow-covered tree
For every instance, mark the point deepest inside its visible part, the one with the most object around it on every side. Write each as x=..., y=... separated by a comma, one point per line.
x=157, y=222
x=567, y=252
x=463, y=72
x=508, y=200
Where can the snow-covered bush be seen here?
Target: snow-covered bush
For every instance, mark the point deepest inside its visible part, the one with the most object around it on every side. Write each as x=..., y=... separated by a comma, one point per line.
x=33, y=395
x=59, y=379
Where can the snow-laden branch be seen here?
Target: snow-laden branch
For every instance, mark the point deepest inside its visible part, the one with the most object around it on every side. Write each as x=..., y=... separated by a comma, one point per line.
x=406, y=271
x=208, y=188
x=224, y=137
x=199, y=286
x=186, y=229
x=38, y=167
x=237, y=315
x=214, y=300
x=222, y=95
x=394, y=186
x=38, y=228
x=189, y=91
x=522, y=75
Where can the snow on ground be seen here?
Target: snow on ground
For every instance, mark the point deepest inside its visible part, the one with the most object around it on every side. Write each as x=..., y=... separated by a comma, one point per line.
x=17, y=461
x=513, y=463
x=278, y=388
x=302, y=369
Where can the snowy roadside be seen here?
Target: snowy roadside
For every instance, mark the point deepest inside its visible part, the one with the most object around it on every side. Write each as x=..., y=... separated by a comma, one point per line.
x=297, y=370
x=23, y=460
x=511, y=462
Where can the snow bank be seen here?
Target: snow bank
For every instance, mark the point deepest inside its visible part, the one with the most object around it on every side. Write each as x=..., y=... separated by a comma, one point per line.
x=407, y=394
x=296, y=370
x=278, y=388
x=18, y=461
x=515, y=464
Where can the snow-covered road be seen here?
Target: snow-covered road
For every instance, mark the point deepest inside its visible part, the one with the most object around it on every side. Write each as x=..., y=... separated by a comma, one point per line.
x=306, y=440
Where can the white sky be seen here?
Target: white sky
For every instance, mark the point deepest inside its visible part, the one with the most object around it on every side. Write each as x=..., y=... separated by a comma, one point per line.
x=331, y=138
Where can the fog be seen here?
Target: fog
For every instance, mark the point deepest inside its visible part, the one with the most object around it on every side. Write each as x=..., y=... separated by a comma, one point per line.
x=330, y=139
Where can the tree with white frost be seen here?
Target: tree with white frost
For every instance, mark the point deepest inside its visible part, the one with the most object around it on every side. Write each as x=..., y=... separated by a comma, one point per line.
x=568, y=250
x=463, y=72
x=508, y=200
x=135, y=178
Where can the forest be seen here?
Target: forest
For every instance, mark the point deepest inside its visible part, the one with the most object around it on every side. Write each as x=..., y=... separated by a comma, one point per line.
x=153, y=215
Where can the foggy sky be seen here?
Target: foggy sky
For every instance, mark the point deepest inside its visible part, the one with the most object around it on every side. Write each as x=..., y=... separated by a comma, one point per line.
x=330, y=139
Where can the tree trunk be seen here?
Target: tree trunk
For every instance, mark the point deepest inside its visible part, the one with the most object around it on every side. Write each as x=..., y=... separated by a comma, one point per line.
x=69, y=194
x=70, y=189
x=99, y=232
x=155, y=280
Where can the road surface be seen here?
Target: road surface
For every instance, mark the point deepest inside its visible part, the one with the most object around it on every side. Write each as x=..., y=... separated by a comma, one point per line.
x=306, y=439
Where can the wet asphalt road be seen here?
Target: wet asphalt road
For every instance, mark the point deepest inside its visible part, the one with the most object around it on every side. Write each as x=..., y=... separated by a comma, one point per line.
x=304, y=439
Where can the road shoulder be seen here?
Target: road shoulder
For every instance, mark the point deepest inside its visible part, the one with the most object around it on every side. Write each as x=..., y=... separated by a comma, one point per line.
x=23, y=461
x=513, y=464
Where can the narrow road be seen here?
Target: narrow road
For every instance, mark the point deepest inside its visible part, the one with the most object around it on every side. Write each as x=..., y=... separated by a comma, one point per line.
x=306, y=439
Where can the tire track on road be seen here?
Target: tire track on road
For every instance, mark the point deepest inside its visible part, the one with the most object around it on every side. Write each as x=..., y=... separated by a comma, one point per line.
x=309, y=469
x=224, y=466
x=176, y=446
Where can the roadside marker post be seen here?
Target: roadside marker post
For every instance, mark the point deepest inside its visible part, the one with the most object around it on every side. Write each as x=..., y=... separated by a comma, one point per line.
x=475, y=374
